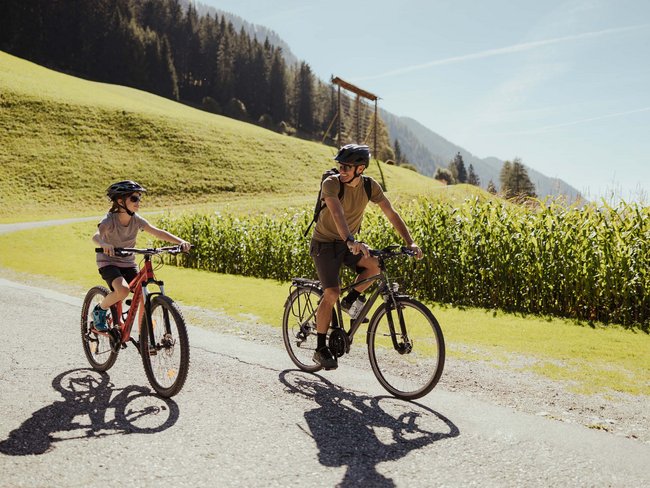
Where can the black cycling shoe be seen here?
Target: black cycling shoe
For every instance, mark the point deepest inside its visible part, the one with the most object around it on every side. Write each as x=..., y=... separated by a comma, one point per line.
x=324, y=357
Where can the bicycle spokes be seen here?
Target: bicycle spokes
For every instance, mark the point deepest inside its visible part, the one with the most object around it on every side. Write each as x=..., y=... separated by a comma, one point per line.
x=98, y=346
x=164, y=347
x=406, y=349
x=299, y=326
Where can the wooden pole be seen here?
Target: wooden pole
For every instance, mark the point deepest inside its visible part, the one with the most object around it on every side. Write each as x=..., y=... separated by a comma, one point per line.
x=338, y=136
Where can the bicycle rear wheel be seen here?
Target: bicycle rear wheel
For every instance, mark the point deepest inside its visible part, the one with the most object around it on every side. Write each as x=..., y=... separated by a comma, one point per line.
x=98, y=348
x=166, y=358
x=299, y=327
x=409, y=362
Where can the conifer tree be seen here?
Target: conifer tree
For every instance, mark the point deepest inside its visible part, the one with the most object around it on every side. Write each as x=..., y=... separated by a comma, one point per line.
x=304, y=93
x=278, y=87
x=398, y=152
x=473, y=178
x=460, y=171
x=515, y=182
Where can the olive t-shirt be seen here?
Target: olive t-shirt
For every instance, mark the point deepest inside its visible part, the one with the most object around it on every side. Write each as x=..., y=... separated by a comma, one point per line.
x=354, y=205
x=111, y=231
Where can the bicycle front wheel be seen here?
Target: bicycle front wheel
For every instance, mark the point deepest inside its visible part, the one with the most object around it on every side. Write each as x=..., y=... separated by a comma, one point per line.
x=165, y=347
x=406, y=348
x=299, y=327
x=98, y=348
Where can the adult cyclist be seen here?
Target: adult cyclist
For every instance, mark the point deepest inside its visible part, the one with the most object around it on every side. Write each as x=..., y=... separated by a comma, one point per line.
x=334, y=244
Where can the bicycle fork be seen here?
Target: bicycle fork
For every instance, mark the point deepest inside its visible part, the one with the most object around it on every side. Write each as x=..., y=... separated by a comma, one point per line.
x=406, y=346
x=149, y=322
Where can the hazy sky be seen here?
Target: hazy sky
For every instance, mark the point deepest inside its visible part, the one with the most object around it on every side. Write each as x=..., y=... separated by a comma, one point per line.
x=562, y=84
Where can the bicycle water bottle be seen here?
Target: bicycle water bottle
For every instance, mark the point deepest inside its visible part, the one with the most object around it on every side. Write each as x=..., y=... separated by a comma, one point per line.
x=356, y=307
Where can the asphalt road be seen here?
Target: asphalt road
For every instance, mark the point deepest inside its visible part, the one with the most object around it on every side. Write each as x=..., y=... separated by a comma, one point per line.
x=247, y=418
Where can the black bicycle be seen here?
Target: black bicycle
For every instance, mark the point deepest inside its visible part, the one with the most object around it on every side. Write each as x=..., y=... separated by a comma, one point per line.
x=406, y=347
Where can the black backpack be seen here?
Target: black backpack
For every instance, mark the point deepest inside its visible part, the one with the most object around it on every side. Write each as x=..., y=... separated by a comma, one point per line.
x=367, y=185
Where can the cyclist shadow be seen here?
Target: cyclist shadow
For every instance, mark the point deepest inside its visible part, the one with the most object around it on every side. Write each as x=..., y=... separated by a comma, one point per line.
x=360, y=431
x=88, y=396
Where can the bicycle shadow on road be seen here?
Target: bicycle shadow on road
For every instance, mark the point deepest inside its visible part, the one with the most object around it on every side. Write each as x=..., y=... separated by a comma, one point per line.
x=85, y=412
x=361, y=431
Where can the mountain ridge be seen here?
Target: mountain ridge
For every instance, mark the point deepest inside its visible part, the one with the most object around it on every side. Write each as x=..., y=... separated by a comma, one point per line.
x=426, y=150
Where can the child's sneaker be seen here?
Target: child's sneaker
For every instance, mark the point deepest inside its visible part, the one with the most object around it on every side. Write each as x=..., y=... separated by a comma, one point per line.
x=99, y=318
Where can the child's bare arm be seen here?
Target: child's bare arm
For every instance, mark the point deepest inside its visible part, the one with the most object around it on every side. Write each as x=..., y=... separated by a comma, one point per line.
x=163, y=235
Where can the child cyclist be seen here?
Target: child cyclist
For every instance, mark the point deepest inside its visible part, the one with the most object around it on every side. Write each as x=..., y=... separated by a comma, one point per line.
x=119, y=229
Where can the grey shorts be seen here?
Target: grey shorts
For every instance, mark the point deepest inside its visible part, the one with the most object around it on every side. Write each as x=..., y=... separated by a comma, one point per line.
x=329, y=257
x=110, y=272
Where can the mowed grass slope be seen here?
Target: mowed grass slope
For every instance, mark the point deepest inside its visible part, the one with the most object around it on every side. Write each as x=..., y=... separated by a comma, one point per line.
x=65, y=139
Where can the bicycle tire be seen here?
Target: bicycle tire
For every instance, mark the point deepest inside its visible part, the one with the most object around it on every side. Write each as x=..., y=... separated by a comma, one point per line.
x=413, y=371
x=167, y=363
x=300, y=337
x=99, y=351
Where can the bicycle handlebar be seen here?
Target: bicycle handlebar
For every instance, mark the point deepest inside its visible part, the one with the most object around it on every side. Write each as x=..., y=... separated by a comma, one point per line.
x=392, y=251
x=127, y=251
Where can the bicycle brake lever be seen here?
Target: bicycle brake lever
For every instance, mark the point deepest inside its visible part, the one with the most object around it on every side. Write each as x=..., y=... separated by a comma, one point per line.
x=408, y=251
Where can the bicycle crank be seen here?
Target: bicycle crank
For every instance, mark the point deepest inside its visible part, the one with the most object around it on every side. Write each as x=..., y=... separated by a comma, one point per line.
x=339, y=342
x=115, y=339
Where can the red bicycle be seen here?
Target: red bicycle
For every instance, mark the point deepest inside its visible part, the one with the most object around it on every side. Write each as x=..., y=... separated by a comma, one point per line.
x=163, y=342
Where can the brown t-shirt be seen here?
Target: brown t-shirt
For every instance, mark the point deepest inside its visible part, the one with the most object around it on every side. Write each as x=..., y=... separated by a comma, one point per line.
x=113, y=232
x=354, y=205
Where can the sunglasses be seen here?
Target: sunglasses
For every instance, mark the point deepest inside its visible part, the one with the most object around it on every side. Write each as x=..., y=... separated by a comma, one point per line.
x=135, y=198
x=346, y=167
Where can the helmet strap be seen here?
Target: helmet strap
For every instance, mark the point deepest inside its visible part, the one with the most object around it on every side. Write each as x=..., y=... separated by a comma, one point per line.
x=356, y=175
x=124, y=207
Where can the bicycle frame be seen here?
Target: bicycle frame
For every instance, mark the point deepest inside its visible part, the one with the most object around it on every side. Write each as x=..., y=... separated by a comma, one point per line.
x=381, y=288
x=140, y=302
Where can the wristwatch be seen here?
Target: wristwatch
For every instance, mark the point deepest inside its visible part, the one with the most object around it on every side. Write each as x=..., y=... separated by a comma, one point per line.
x=349, y=238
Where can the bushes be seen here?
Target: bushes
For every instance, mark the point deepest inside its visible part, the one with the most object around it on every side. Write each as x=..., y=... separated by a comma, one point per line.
x=589, y=263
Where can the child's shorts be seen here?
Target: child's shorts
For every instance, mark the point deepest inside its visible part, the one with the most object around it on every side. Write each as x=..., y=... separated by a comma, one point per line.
x=110, y=272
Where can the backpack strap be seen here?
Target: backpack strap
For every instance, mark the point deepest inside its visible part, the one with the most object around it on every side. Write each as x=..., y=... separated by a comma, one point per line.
x=367, y=186
x=319, y=201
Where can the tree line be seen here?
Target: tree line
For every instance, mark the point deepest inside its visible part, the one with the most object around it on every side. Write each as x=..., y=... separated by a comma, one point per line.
x=166, y=48
x=513, y=178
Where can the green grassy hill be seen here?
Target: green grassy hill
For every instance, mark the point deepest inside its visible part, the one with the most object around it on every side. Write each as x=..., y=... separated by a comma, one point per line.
x=64, y=140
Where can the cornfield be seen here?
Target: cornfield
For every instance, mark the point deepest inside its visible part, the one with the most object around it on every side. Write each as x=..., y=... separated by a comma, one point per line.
x=590, y=263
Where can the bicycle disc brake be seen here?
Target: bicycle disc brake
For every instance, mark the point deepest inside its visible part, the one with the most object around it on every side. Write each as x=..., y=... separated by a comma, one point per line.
x=339, y=343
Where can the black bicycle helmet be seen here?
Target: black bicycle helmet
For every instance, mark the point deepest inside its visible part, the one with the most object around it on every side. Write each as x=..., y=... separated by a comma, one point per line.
x=122, y=188
x=354, y=154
